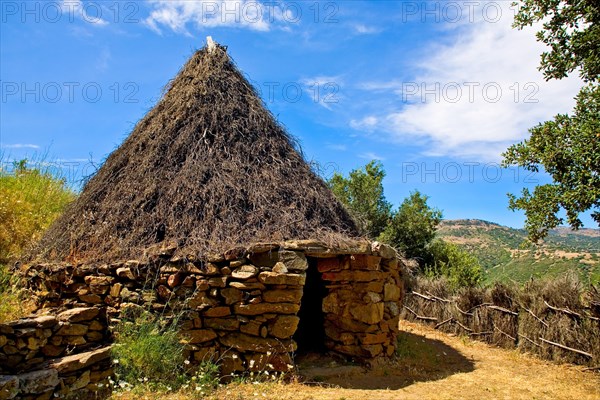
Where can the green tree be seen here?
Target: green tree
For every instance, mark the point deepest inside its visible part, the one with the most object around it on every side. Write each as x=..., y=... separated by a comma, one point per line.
x=570, y=28
x=459, y=266
x=568, y=147
x=413, y=226
x=362, y=194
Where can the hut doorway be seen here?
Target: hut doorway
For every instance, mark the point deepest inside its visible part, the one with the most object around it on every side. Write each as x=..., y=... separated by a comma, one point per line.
x=310, y=334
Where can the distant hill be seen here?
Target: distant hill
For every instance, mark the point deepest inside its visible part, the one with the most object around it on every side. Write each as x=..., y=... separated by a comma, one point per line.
x=506, y=255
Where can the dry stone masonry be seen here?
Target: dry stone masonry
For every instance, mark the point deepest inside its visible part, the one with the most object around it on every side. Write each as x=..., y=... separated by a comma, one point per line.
x=50, y=355
x=242, y=308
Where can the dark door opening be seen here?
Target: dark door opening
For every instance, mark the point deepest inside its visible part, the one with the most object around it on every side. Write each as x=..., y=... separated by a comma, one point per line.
x=310, y=334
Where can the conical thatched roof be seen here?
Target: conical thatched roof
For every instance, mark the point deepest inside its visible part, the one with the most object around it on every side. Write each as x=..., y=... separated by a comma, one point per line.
x=208, y=167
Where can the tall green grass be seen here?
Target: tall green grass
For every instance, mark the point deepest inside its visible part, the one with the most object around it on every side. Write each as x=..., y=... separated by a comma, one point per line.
x=30, y=200
x=31, y=197
x=147, y=351
x=149, y=356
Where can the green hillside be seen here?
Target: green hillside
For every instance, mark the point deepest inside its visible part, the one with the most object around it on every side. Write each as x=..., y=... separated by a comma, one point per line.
x=505, y=254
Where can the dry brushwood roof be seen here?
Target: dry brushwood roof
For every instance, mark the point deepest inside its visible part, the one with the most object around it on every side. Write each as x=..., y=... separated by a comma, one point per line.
x=208, y=167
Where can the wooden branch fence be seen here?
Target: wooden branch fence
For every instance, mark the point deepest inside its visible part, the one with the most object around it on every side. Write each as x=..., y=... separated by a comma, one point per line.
x=473, y=321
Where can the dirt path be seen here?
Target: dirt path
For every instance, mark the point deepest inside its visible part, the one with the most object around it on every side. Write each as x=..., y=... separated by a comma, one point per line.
x=431, y=365
x=434, y=365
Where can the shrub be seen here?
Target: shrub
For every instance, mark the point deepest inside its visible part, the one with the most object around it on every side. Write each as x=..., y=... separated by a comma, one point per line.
x=15, y=304
x=362, y=194
x=412, y=228
x=460, y=267
x=30, y=200
x=148, y=350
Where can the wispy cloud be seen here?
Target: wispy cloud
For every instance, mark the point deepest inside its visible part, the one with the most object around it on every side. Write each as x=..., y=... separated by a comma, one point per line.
x=321, y=80
x=76, y=8
x=20, y=146
x=103, y=59
x=362, y=29
x=368, y=123
x=176, y=15
x=474, y=96
x=371, y=156
x=337, y=146
x=324, y=89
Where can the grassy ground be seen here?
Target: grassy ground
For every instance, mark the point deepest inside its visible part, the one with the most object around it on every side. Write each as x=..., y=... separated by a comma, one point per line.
x=14, y=303
x=30, y=199
x=431, y=365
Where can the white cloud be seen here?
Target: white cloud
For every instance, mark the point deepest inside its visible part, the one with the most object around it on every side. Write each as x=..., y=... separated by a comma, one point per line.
x=249, y=14
x=394, y=85
x=371, y=156
x=323, y=89
x=90, y=12
x=362, y=29
x=367, y=123
x=20, y=146
x=476, y=95
x=321, y=80
x=103, y=60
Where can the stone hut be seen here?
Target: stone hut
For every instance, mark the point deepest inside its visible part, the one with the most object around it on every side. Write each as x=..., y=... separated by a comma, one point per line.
x=209, y=211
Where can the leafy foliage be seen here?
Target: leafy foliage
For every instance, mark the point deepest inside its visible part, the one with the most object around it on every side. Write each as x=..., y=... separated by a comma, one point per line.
x=568, y=147
x=460, y=267
x=30, y=200
x=148, y=351
x=569, y=150
x=362, y=194
x=570, y=29
x=413, y=226
x=410, y=228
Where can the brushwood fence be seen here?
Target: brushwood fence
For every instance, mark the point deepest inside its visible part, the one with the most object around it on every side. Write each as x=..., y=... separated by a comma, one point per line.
x=558, y=320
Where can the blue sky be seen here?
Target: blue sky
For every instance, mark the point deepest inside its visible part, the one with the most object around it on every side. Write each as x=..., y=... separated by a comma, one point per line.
x=434, y=90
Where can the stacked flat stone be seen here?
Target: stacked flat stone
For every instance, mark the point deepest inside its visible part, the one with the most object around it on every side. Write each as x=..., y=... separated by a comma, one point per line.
x=45, y=356
x=241, y=307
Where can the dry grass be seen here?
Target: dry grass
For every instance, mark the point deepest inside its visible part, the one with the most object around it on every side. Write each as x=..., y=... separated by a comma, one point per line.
x=509, y=316
x=432, y=365
x=15, y=303
x=31, y=198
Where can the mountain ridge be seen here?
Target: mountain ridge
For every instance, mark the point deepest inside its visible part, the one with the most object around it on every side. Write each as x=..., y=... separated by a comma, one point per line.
x=506, y=255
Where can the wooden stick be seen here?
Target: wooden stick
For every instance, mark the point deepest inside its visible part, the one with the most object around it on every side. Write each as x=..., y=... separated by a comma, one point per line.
x=443, y=322
x=464, y=327
x=504, y=333
x=567, y=348
x=564, y=310
x=480, y=333
x=536, y=317
x=529, y=340
x=479, y=305
x=210, y=43
x=463, y=312
x=502, y=309
x=438, y=298
x=420, y=316
x=422, y=296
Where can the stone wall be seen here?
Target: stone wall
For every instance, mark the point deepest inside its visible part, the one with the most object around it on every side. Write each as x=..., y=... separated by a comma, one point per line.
x=54, y=355
x=242, y=307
